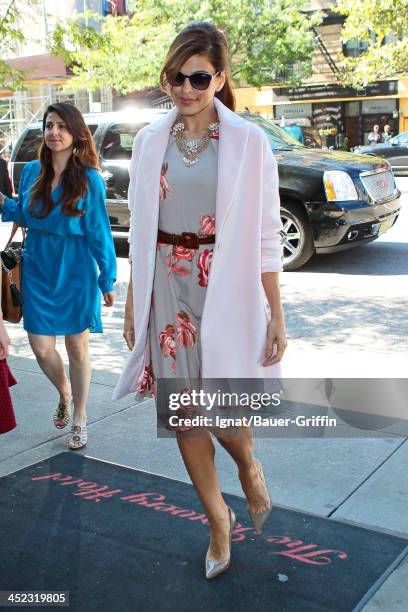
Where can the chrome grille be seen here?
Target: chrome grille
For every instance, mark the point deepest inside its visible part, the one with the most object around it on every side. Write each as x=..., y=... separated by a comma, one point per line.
x=379, y=185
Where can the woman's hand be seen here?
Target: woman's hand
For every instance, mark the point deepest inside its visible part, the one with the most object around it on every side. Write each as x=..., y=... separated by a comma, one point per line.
x=129, y=323
x=109, y=298
x=129, y=330
x=276, y=335
x=4, y=341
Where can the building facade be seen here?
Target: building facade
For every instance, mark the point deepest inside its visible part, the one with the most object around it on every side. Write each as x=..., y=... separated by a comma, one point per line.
x=337, y=112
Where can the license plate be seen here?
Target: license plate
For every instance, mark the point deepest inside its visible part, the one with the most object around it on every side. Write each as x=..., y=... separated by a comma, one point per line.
x=385, y=225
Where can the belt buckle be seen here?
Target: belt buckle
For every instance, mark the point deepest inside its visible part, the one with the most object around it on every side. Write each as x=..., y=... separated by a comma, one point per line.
x=190, y=240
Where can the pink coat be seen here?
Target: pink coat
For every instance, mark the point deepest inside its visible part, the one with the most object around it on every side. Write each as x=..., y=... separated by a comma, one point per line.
x=235, y=316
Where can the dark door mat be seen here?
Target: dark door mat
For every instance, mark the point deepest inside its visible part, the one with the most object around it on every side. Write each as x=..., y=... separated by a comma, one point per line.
x=122, y=539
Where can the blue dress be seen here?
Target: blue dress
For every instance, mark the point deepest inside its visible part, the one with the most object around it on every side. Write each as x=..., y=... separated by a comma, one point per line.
x=61, y=286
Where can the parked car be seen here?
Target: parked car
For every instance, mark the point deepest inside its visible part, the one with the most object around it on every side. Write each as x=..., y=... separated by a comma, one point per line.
x=330, y=200
x=395, y=151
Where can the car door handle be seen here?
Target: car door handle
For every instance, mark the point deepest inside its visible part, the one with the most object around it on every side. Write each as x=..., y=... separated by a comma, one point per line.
x=108, y=177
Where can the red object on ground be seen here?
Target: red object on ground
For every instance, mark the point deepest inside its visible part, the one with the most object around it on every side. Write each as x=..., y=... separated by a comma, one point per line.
x=7, y=380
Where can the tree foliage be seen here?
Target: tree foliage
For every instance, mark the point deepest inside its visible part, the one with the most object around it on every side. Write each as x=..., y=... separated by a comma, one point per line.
x=10, y=38
x=383, y=26
x=126, y=53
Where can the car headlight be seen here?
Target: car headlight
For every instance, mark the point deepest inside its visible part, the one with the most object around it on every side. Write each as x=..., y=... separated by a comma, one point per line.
x=339, y=186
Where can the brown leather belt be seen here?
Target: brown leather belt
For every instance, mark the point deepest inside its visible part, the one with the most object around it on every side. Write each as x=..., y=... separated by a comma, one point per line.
x=188, y=240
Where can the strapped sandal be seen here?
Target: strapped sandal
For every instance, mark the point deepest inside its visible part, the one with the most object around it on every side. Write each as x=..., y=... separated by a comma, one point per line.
x=78, y=437
x=62, y=414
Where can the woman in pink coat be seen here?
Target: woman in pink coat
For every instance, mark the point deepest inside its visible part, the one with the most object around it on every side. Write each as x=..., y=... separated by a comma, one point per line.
x=205, y=251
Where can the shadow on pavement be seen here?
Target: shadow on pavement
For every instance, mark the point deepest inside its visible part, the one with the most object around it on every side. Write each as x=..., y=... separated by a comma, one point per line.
x=375, y=259
x=375, y=323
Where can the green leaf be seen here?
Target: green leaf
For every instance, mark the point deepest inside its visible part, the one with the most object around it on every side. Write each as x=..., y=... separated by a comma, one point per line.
x=128, y=52
x=371, y=21
x=10, y=38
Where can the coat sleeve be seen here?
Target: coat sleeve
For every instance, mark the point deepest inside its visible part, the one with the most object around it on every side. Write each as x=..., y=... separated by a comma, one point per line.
x=134, y=162
x=12, y=210
x=271, y=247
x=98, y=232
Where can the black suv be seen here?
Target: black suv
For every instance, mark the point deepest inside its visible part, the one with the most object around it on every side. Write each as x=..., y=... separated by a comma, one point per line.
x=330, y=200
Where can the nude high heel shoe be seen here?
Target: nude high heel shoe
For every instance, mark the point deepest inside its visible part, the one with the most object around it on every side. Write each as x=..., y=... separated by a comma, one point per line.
x=215, y=567
x=259, y=518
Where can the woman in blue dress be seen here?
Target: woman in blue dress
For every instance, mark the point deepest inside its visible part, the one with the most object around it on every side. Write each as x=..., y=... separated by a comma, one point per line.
x=62, y=205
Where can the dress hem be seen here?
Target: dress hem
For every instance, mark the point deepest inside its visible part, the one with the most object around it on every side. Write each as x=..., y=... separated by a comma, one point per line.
x=63, y=333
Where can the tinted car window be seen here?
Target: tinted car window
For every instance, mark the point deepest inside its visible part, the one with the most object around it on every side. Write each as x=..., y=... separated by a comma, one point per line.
x=28, y=148
x=295, y=131
x=118, y=141
x=278, y=138
x=312, y=138
x=307, y=136
x=403, y=138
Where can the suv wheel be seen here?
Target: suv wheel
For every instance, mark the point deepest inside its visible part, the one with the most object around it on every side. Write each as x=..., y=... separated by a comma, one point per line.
x=297, y=236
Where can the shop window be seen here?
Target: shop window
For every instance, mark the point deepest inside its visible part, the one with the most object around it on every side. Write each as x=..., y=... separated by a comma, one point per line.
x=352, y=109
x=327, y=120
x=369, y=121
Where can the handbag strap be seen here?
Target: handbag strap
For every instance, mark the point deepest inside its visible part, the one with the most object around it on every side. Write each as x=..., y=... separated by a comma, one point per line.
x=14, y=232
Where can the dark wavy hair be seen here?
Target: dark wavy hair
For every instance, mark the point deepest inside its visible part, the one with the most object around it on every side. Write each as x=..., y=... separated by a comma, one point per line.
x=74, y=181
x=200, y=38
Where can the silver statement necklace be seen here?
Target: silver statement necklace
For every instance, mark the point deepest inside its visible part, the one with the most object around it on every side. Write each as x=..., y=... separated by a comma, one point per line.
x=191, y=149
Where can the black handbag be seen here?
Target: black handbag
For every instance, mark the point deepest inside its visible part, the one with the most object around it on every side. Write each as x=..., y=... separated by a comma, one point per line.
x=11, y=268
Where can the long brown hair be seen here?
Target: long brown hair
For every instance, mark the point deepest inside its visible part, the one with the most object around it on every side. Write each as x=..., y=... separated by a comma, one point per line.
x=200, y=38
x=74, y=181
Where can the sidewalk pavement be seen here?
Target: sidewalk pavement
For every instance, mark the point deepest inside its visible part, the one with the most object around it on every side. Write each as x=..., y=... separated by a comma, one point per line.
x=363, y=480
x=360, y=480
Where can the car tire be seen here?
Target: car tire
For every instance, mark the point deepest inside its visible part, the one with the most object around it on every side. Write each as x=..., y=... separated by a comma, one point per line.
x=298, y=245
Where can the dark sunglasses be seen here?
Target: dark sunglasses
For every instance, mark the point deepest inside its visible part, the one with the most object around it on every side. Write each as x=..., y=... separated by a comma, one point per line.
x=199, y=80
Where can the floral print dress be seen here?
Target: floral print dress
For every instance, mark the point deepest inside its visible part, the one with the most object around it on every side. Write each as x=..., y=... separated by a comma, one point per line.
x=187, y=204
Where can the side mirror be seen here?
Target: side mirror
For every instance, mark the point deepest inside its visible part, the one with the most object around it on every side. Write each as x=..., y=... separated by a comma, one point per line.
x=393, y=142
